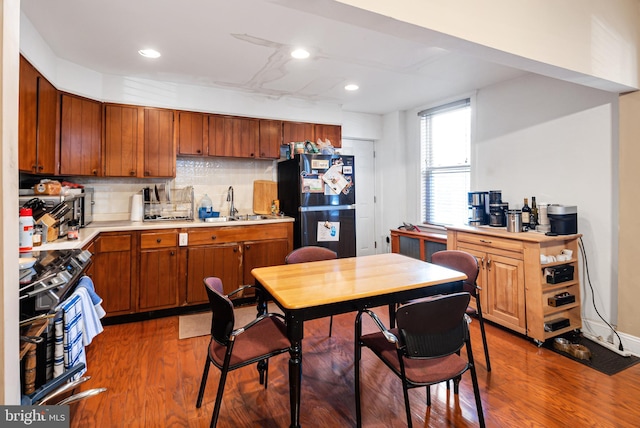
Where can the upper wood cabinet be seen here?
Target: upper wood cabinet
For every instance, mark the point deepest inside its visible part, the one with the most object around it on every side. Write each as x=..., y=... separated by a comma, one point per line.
x=80, y=136
x=270, y=139
x=159, y=143
x=233, y=136
x=38, y=120
x=332, y=133
x=302, y=131
x=122, y=140
x=192, y=133
x=297, y=131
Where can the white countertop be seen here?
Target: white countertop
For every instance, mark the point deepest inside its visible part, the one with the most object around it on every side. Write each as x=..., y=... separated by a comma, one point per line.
x=86, y=234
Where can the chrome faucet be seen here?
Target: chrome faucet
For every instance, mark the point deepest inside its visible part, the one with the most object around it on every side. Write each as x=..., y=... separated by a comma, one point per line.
x=232, y=209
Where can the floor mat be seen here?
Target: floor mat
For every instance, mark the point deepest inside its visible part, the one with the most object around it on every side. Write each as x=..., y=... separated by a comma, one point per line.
x=602, y=359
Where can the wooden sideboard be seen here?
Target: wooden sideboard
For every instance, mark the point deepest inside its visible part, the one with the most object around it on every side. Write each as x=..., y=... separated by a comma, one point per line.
x=514, y=288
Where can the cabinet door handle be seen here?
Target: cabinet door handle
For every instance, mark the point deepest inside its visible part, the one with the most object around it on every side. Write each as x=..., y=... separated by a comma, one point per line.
x=482, y=262
x=94, y=171
x=489, y=263
x=132, y=172
x=247, y=247
x=486, y=241
x=235, y=249
x=158, y=240
x=213, y=237
x=173, y=253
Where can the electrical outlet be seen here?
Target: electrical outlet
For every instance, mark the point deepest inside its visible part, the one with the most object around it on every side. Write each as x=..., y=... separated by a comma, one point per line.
x=183, y=240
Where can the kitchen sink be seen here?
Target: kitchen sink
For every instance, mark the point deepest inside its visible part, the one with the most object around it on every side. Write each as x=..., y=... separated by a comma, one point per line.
x=251, y=217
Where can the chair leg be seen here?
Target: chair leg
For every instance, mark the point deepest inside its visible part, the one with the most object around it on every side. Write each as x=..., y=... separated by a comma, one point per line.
x=484, y=336
x=216, y=408
x=330, y=325
x=266, y=373
x=356, y=367
x=476, y=393
x=405, y=391
x=429, y=394
x=263, y=366
x=203, y=382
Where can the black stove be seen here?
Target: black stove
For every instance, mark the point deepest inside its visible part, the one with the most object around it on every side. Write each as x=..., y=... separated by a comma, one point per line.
x=50, y=280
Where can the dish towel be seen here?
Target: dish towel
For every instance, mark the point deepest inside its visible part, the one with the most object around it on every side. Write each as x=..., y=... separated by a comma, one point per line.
x=90, y=324
x=71, y=323
x=87, y=283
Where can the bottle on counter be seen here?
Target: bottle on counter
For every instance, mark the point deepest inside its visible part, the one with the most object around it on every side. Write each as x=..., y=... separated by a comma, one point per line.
x=206, y=207
x=526, y=212
x=25, y=223
x=37, y=235
x=72, y=230
x=533, y=217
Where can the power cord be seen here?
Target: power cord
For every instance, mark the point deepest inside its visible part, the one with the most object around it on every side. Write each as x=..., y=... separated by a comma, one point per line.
x=593, y=298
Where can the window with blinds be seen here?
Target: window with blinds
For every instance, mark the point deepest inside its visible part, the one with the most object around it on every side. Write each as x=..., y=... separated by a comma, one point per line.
x=445, y=158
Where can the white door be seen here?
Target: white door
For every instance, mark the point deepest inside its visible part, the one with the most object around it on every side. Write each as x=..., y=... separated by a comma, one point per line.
x=365, y=193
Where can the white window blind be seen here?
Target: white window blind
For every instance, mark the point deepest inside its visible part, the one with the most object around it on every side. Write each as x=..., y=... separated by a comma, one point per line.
x=446, y=166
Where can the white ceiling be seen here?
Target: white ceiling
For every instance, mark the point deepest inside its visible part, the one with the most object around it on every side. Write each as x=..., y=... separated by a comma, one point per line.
x=244, y=45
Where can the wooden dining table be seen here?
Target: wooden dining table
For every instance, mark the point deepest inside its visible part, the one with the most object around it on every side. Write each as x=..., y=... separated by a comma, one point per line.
x=306, y=291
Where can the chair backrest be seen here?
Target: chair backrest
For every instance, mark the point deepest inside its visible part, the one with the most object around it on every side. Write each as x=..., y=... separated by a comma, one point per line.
x=434, y=327
x=462, y=262
x=310, y=253
x=222, y=316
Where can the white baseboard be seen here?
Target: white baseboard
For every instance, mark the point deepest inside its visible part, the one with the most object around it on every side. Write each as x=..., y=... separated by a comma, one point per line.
x=602, y=334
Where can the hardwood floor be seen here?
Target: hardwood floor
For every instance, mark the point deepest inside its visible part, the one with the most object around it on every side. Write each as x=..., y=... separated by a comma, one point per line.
x=153, y=377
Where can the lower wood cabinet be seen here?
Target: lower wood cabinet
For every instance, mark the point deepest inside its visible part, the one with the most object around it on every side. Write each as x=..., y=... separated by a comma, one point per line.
x=515, y=291
x=203, y=261
x=113, y=262
x=230, y=253
x=158, y=272
x=142, y=271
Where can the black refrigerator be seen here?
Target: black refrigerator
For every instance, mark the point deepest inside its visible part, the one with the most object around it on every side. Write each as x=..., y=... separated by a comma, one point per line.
x=319, y=192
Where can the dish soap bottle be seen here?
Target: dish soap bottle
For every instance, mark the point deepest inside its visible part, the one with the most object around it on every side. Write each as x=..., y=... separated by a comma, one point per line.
x=206, y=207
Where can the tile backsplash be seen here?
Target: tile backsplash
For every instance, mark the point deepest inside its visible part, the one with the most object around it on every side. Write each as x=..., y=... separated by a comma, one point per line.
x=211, y=176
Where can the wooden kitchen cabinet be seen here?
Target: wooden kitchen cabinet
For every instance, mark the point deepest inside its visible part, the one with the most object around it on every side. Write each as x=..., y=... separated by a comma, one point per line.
x=514, y=292
x=332, y=133
x=230, y=252
x=270, y=139
x=122, y=140
x=112, y=263
x=222, y=261
x=158, y=273
x=193, y=133
x=232, y=136
x=297, y=132
x=80, y=136
x=263, y=253
x=159, y=143
x=38, y=118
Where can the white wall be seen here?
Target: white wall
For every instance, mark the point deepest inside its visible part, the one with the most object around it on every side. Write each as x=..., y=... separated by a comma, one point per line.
x=542, y=137
x=554, y=140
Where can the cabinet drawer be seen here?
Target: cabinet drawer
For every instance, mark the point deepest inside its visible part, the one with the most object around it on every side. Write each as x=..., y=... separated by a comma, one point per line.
x=108, y=244
x=226, y=234
x=158, y=240
x=489, y=241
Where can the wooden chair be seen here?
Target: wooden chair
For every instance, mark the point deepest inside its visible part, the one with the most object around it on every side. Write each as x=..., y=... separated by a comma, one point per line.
x=229, y=349
x=424, y=349
x=312, y=253
x=467, y=264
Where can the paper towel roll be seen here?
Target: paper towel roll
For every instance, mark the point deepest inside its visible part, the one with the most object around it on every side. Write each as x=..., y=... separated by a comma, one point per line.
x=136, y=207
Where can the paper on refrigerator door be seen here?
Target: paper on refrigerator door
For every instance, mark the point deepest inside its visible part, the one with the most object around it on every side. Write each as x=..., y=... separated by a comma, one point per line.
x=328, y=231
x=334, y=178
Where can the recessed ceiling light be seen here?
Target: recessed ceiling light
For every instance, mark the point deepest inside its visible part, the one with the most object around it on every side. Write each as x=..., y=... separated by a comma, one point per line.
x=352, y=87
x=300, y=54
x=149, y=53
